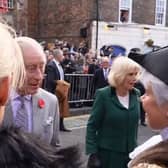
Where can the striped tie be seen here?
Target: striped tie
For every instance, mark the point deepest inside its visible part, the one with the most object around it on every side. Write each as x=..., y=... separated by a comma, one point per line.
x=21, y=119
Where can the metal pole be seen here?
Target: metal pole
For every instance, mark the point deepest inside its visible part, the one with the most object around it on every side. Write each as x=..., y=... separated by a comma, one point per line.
x=97, y=25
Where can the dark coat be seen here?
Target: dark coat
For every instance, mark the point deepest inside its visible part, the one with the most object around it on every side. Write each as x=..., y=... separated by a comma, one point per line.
x=111, y=126
x=52, y=75
x=99, y=79
x=92, y=68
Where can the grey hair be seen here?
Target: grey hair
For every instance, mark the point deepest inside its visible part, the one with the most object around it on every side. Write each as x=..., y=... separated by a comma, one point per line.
x=57, y=52
x=25, y=42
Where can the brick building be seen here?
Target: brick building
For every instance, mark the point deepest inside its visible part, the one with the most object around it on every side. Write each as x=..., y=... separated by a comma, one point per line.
x=71, y=20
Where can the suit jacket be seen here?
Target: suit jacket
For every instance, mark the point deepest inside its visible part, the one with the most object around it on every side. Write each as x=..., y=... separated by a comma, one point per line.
x=99, y=79
x=112, y=126
x=52, y=76
x=45, y=120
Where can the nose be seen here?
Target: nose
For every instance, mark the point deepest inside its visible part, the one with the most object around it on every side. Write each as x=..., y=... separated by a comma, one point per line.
x=39, y=75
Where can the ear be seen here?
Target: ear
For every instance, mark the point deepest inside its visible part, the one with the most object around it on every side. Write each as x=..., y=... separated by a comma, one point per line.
x=5, y=83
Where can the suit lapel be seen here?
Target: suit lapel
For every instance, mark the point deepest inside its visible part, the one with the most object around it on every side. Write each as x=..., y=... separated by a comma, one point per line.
x=38, y=114
x=56, y=71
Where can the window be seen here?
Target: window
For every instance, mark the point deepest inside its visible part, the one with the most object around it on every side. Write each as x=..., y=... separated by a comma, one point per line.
x=6, y=4
x=125, y=11
x=3, y=3
x=160, y=14
x=10, y=4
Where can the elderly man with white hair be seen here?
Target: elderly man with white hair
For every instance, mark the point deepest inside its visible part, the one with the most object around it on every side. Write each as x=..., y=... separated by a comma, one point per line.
x=31, y=108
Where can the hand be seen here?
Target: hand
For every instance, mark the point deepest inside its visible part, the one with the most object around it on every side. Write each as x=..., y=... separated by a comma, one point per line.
x=94, y=161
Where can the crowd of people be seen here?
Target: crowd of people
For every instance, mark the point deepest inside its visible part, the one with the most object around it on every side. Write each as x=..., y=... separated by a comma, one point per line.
x=31, y=117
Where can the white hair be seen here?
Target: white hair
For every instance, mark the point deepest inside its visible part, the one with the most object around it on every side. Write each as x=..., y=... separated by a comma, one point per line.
x=159, y=88
x=11, y=61
x=27, y=43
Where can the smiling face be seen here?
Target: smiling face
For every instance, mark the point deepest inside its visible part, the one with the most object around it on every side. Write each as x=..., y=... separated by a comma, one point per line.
x=156, y=115
x=34, y=60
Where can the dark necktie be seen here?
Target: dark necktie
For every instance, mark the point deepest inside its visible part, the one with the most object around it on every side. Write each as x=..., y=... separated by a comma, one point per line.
x=21, y=119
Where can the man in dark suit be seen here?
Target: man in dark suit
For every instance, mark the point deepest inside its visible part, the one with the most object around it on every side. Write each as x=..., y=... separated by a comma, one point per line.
x=100, y=76
x=54, y=71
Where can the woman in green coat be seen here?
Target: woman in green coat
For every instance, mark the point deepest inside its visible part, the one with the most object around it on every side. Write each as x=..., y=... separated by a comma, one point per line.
x=112, y=127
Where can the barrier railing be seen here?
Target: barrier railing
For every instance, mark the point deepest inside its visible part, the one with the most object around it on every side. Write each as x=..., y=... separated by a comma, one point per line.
x=82, y=87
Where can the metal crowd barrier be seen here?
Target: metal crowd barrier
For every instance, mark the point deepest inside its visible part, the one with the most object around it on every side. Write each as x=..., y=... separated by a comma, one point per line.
x=82, y=87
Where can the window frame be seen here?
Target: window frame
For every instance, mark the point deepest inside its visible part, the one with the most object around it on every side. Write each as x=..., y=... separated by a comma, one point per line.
x=158, y=10
x=127, y=7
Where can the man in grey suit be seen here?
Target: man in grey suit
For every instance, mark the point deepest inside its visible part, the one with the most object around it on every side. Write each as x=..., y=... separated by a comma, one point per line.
x=30, y=107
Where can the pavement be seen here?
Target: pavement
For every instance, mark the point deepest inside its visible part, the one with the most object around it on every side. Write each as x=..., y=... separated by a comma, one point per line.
x=78, y=126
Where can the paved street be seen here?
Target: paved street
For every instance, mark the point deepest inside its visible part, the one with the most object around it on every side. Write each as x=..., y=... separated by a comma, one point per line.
x=77, y=136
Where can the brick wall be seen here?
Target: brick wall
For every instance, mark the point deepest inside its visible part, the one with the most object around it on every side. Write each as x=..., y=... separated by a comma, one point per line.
x=143, y=11
x=108, y=10
x=33, y=14
x=63, y=19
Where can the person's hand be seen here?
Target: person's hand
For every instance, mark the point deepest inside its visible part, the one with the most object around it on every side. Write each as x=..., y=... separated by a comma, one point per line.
x=94, y=161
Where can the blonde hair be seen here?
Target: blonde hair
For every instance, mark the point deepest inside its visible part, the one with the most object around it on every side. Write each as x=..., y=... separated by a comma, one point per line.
x=120, y=68
x=11, y=61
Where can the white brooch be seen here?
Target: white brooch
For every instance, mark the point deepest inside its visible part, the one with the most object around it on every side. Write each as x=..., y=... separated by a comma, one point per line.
x=49, y=121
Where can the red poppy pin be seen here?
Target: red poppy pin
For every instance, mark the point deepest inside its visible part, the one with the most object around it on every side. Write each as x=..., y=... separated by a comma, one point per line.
x=41, y=103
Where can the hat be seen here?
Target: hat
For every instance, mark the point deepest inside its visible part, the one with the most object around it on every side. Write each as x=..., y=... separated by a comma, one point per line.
x=155, y=63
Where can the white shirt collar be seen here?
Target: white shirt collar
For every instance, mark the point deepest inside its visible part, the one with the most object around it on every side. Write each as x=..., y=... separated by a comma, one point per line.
x=56, y=62
x=164, y=133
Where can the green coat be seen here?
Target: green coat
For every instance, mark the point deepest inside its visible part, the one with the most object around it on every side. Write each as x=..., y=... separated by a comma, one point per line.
x=111, y=126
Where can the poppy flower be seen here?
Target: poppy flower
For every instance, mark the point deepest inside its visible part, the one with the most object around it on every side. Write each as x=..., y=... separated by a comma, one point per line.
x=41, y=103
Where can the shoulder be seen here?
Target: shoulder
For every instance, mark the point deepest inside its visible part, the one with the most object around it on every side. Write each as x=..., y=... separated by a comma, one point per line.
x=104, y=91
x=51, y=64
x=46, y=95
x=99, y=70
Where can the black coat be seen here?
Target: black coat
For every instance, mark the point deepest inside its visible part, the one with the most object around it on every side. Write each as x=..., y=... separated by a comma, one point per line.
x=52, y=75
x=99, y=79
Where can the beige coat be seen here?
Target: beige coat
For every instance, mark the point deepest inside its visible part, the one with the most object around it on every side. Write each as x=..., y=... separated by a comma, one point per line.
x=62, y=89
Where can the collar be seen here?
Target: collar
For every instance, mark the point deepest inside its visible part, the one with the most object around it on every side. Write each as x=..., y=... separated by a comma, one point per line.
x=15, y=95
x=113, y=90
x=56, y=62
x=164, y=133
